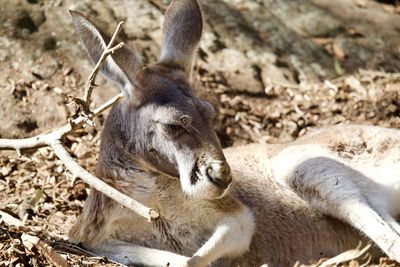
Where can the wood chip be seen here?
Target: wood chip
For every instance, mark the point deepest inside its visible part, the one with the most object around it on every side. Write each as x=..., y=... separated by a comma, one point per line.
x=346, y=256
x=10, y=220
x=48, y=252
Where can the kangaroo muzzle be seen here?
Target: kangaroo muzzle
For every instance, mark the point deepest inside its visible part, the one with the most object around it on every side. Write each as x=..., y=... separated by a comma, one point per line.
x=219, y=173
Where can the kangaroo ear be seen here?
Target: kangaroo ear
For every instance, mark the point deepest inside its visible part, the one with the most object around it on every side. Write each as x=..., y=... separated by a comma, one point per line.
x=183, y=26
x=120, y=66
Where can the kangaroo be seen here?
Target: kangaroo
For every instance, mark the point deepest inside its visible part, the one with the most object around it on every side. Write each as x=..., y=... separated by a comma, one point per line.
x=253, y=205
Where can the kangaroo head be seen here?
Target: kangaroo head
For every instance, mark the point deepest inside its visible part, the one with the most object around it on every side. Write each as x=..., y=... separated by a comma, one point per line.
x=163, y=126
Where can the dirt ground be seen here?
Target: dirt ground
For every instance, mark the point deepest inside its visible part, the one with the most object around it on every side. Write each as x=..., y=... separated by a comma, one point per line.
x=274, y=70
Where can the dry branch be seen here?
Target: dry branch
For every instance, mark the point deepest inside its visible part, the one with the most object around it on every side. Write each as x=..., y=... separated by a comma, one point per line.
x=99, y=185
x=48, y=139
x=84, y=116
x=160, y=5
x=90, y=83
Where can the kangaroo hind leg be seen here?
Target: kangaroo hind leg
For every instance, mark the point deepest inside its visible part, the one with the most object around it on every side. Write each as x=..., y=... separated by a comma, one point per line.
x=338, y=190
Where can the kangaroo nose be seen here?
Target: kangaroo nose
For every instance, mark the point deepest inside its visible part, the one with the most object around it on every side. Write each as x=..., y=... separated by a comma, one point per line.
x=219, y=175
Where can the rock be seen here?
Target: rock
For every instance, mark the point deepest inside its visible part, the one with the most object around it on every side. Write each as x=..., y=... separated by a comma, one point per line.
x=3, y=55
x=45, y=71
x=81, y=150
x=27, y=22
x=38, y=17
x=28, y=125
x=49, y=43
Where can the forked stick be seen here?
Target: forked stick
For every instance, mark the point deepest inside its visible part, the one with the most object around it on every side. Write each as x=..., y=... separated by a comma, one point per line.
x=83, y=116
x=90, y=83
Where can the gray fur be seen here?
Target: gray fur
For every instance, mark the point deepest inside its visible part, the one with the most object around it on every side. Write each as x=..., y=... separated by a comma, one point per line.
x=301, y=201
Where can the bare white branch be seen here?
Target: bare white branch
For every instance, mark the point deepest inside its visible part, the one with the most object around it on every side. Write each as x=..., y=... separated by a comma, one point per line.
x=90, y=83
x=85, y=116
x=101, y=186
x=49, y=138
x=108, y=104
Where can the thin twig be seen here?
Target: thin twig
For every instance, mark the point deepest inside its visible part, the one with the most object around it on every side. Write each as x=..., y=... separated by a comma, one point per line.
x=108, y=104
x=157, y=3
x=90, y=84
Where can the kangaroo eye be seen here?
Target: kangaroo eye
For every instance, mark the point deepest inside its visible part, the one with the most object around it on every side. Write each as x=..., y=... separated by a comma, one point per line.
x=171, y=130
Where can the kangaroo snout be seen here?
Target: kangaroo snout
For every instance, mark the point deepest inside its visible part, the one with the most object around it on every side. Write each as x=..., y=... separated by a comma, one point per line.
x=219, y=173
